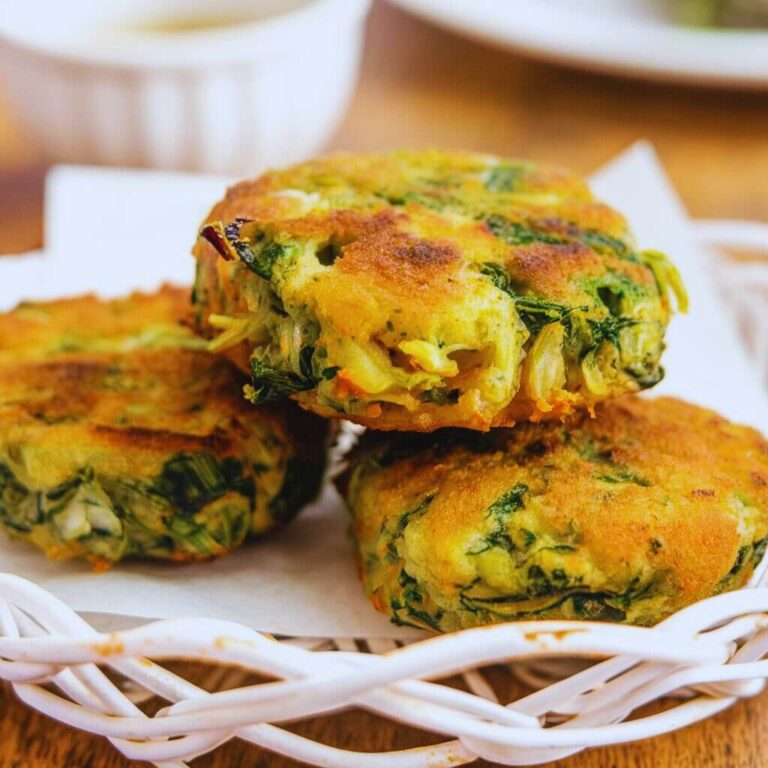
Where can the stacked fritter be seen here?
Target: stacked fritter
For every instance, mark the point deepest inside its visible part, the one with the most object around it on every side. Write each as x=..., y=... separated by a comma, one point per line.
x=121, y=436
x=629, y=516
x=443, y=293
x=417, y=291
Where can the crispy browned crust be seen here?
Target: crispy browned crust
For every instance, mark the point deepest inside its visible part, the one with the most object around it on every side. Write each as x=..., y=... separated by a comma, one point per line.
x=388, y=419
x=81, y=381
x=418, y=241
x=41, y=328
x=659, y=490
x=548, y=267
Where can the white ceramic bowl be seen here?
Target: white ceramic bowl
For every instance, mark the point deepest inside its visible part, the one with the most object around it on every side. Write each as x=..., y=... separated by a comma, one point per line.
x=244, y=85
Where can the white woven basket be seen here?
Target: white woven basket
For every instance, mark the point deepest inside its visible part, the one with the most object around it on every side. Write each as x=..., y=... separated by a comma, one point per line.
x=707, y=656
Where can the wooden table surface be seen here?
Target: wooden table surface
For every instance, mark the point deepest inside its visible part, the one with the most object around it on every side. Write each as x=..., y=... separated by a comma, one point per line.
x=423, y=87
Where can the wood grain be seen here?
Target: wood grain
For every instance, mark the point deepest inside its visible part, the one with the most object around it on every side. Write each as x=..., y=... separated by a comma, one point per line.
x=424, y=87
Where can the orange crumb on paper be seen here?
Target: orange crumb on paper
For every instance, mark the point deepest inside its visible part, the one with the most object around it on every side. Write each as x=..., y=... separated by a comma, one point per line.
x=99, y=564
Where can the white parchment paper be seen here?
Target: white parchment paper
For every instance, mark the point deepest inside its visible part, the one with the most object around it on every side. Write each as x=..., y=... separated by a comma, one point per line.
x=112, y=231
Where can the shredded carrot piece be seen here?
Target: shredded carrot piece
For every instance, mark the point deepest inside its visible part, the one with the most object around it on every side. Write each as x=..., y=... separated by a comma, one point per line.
x=345, y=386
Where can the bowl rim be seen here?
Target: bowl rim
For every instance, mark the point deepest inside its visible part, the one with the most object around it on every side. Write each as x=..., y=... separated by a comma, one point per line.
x=268, y=37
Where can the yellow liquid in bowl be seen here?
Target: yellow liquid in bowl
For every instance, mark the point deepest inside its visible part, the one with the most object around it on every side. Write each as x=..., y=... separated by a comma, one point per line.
x=192, y=23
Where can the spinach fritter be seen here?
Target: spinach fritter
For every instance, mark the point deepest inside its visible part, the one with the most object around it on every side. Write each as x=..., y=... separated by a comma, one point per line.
x=121, y=437
x=415, y=291
x=650, y=507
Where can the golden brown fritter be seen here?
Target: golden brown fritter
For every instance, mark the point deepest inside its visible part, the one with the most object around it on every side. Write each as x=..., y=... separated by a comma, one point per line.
x=421, y=290
x=120, y=437
x=653, y=505
x=86, y=323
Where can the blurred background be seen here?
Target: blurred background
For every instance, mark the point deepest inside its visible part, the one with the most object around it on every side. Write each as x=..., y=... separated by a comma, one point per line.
x=232, y=87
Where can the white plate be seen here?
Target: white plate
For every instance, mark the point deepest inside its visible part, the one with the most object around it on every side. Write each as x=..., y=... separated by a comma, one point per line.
x=631, y=37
